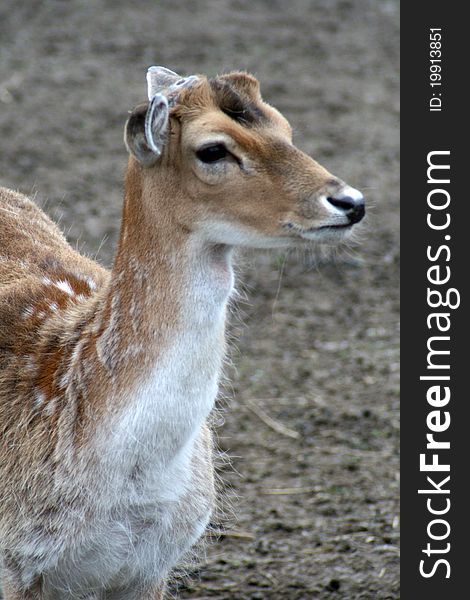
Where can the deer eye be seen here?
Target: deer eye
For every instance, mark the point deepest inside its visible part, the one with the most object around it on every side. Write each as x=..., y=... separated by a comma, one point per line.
x=212, y=153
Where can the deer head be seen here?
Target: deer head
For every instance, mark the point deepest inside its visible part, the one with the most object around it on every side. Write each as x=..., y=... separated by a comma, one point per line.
x=228, y=162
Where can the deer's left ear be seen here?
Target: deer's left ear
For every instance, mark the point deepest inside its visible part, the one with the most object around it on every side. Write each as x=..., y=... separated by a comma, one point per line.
x=146, y=130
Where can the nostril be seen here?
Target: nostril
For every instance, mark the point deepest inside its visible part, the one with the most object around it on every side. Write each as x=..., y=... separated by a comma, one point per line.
x=357, y=214
x=345, y=204
x=352, y=206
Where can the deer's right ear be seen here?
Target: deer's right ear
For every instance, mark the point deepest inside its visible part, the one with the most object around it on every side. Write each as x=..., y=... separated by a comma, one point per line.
x=146, y=130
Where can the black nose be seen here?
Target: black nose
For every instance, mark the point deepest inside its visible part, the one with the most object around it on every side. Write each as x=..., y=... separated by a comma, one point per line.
x=353, y=207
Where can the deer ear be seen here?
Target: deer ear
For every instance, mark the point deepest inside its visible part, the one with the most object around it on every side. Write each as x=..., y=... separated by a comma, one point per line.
x=244, y=83
x=160, y=78
x=146, y=130
x=163, y=81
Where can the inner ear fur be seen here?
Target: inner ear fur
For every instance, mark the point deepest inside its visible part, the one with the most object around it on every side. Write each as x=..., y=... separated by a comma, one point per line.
x=145, y=132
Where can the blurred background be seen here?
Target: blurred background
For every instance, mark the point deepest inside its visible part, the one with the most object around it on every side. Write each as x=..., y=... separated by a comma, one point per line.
x=310, y=418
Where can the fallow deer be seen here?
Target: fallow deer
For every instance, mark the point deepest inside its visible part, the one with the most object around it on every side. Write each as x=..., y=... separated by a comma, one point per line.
x=107, y=378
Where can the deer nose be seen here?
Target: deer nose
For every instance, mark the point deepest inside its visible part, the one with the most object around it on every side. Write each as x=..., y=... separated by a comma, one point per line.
x=350, y=202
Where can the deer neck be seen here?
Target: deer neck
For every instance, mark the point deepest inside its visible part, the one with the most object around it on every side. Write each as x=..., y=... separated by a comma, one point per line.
x=166, y=279
x=163, y=339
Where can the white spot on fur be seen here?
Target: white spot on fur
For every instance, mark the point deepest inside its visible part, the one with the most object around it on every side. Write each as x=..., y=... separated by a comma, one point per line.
x=64, y=381
x=51, y=406
x=27, y=312
x=65, y=286
x=39, y=398
x=91, y=283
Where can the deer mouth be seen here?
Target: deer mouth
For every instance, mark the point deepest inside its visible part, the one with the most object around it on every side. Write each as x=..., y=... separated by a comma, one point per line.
x=328, y=227
x=332, y=233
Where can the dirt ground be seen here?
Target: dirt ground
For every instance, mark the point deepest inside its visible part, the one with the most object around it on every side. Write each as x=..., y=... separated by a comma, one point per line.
x=310, y=504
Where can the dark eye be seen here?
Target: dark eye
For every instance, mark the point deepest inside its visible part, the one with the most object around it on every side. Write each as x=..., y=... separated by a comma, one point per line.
x=212, y=153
